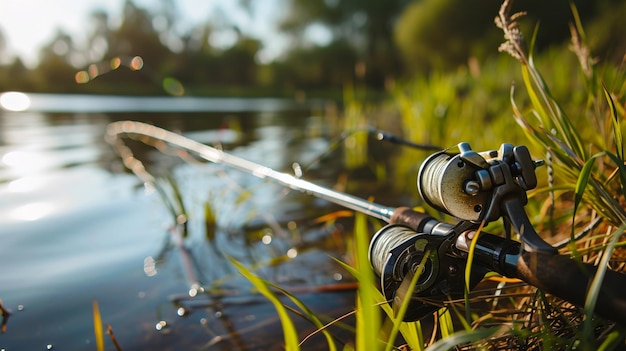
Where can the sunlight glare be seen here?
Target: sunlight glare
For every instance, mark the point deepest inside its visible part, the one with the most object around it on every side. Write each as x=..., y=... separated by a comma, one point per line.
x=26, y=184
x=25, y=161
x=32, y=211
x=14, y=101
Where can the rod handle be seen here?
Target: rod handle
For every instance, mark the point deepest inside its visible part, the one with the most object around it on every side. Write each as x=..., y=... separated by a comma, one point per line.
x=568, y=279
x=408, y=217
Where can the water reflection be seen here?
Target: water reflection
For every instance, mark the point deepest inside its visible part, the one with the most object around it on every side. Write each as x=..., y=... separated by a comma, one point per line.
x=26, y=184
x=34, y=211
x=74, y=226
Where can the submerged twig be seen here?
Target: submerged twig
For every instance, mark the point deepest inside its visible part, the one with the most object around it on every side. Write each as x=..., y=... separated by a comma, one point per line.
x=113, y=338
x=5, y=317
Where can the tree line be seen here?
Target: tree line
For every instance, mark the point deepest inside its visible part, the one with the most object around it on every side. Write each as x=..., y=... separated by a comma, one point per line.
x=372, y=42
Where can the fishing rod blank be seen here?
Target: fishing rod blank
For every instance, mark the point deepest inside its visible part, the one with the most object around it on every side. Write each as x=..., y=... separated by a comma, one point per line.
x=138, y=129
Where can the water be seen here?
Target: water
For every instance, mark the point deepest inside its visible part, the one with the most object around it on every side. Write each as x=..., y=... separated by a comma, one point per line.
x=76, y=228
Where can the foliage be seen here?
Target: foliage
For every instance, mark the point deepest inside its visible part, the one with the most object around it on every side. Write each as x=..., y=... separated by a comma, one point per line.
x=366, y=25
x=576, y=120
x=467, y=31
x=565, y=138
x=372, y=42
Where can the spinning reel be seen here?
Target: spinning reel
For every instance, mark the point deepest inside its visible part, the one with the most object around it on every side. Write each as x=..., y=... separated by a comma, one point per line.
x=473, y=187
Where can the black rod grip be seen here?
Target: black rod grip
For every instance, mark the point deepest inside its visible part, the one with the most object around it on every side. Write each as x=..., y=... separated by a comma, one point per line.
x=570, y=280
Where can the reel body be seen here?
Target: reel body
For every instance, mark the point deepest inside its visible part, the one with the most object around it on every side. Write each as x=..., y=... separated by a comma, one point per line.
x=396, y=252
x=474, y=187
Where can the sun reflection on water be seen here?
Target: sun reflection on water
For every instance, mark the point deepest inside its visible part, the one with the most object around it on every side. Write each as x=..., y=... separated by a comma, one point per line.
x=32, y=211
x=25, y=161
x=14, y=101
x=26, y=184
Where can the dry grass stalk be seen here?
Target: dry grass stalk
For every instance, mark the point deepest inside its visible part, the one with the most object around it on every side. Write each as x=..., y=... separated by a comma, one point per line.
x=514, y=44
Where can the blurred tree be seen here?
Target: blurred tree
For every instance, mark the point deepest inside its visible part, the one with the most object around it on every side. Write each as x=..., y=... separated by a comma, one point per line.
x=366, y=24
x=99, y=38
x=443, y=34
x=16, y=76
x=237, y=64
x=140, y=34
x=3, y=49
x=54, y=72
x=329, y=66
x=605, y=33
x=136, y=36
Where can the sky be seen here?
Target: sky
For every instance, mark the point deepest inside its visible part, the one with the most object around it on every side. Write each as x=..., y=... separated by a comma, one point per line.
x=27, y=25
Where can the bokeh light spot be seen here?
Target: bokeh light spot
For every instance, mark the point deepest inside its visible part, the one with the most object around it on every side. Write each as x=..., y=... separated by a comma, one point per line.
x=93, y=70
x=116, y=62
x=136, y=63
x=81, y=77
x=173, y=87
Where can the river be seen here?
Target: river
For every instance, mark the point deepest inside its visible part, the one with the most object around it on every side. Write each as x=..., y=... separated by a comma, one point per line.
x=77, y=228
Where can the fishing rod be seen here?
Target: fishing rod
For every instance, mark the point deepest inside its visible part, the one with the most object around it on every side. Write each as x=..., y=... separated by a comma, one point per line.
x=138, y=129
x=476, y=188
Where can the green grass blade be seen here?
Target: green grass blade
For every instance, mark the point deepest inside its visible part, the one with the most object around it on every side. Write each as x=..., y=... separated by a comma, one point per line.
x=289, y=330
x=581, y=185
x=621, y=170
x=445, y=323
x=97, y=326
x=312, y=317
x=411, y=332
x=460, y=338
x=612, y=341
x=399, y=316
x=468, y=272
x=368, y=316
x=596, y=283
x=617, y=129
x=532, y=94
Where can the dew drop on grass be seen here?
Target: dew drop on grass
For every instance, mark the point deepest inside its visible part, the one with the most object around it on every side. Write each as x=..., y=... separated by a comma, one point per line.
x=267, y=239
x=292, y=253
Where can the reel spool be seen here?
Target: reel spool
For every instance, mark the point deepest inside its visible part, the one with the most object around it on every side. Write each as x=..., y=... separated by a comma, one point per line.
x=447, y=183
x=395, y=253
x=396, y=249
